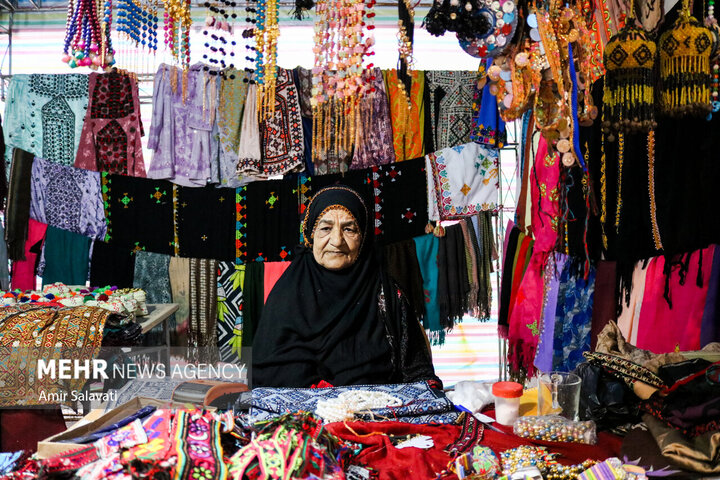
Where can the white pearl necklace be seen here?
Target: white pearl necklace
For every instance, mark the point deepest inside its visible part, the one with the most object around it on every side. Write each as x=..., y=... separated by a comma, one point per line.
x=347, y=404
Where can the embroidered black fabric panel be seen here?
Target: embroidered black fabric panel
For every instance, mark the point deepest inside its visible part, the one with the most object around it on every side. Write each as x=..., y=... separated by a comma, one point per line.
x=206, y=222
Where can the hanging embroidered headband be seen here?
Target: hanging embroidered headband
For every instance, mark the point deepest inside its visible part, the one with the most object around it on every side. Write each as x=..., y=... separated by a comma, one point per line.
x=331, y=198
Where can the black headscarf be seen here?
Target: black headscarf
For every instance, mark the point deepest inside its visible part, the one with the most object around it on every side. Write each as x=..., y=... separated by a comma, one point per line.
x=320, y=324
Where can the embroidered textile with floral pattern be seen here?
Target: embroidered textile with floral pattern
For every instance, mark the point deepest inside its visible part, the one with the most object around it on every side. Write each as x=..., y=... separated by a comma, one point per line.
x=139, y=213
x=462, y=181
x=181, y=133
x=292, y=446
x=44, y=114
x=31, y=332
x=281, y=135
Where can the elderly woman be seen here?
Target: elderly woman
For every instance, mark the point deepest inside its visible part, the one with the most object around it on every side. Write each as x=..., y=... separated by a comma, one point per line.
x=334, y=315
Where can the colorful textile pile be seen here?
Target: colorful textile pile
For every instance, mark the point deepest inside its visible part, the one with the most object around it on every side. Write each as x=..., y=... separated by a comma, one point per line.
x=121, y=301
x=30, y=332
x=295, y=445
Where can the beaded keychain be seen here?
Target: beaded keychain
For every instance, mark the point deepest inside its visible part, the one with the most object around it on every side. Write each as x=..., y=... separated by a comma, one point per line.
x=87, y=38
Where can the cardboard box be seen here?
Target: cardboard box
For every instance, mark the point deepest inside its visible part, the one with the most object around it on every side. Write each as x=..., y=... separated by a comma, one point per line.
x=96, y=420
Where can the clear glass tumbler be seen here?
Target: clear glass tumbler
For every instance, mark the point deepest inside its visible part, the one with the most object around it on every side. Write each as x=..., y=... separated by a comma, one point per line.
x=559, y=394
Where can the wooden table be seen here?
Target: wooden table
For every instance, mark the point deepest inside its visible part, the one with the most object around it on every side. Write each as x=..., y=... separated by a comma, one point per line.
x=158, y=312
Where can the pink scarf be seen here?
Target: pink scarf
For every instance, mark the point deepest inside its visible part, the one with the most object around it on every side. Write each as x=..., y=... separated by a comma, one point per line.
x=23, y=271
x=683, y=321
x=527, y=307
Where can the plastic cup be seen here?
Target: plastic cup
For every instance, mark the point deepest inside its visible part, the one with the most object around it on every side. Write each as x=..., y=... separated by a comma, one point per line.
x=559, y=394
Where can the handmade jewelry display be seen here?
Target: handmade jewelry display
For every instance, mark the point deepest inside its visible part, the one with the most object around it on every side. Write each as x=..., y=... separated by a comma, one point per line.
x=465, y=19
x=406, y=26
x=712, y=24
x=685, y=67
x=502, y=17
x=554, y=428
x=87, y=38
x=525, y=456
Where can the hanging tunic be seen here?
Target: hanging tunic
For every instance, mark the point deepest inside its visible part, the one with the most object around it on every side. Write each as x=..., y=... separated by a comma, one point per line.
x=231, y=103
x=526, y=310
x=184, y=112
x=450, y=94
x=68, y=198
x=111, y=136
x=44, y=115
x=407, y=125
x=374, y=144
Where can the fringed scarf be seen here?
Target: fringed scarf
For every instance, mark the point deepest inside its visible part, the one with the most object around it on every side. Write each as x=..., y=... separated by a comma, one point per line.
x=202, y=331
x=426, y=248
x=17, y=213
x=487, y=252
x=512, y=234
x=453, y=284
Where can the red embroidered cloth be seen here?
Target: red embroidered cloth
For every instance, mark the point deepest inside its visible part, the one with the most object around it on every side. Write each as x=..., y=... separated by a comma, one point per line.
x=400, y=464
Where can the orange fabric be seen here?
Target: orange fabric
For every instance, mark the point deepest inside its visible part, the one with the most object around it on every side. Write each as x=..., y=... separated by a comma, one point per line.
x=407, y=128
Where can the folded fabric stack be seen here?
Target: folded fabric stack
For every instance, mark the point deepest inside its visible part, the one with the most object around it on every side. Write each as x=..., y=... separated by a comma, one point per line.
x=408, y=402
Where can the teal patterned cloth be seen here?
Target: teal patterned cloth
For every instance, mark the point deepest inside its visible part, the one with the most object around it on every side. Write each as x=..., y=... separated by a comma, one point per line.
x=44, y=115
x=152, y=274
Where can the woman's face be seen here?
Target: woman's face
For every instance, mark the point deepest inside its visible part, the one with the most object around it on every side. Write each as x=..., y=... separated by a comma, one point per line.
x=336, y=240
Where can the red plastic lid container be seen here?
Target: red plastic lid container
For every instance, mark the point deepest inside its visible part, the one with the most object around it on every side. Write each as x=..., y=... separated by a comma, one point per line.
x=507, y=389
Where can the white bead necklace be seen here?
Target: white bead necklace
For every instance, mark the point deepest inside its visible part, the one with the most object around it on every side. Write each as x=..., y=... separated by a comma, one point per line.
x=347, y=404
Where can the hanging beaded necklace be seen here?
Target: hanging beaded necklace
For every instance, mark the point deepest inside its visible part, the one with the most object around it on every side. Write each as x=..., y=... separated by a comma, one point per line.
x=338, y=81
x=137, y=25
x=87, y=38
x=406, y=62
x=218, y=25
x=177, y=30
x=266, y=38
x=685, y=66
